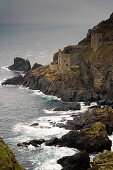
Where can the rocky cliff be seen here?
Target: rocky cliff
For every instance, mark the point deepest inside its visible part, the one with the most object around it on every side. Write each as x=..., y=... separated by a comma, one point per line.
x=7, y=158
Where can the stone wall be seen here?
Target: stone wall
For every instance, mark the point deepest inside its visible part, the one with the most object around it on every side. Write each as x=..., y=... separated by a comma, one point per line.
x=96, y=41
x=53, y=67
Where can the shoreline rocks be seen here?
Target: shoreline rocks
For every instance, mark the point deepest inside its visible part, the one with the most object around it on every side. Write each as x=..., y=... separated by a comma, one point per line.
x=77, y=161
x=18, y=80
x=34, y=142
x=70, y=106
x=93, y=139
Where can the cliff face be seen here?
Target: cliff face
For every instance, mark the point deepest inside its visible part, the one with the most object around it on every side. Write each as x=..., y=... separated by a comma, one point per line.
x=91, y=75
x=7, y=158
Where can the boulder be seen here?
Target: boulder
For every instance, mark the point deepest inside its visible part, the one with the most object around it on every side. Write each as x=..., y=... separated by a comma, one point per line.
x=18, y=80
x=103, y=161
x=35, y=66
x=71, y=106
x=20, y=65
x=93, y=139
x=78, y=161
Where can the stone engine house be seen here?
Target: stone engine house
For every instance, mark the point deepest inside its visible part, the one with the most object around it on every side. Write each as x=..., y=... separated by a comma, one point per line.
x=96, y=41
x=63, y=63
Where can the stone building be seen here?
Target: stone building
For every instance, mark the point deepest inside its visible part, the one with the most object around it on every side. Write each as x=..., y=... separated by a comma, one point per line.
x=63, y=63
x=96, y=41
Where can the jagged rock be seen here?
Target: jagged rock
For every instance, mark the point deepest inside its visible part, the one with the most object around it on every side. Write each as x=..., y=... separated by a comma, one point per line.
x=34, y=142
x=36, y=65
x=18, y=80
x=93, y=139
x=87, y=119
x=103, y=161
x=78, y=161
x=7, y=158
x=20, y=65
x=71, y=106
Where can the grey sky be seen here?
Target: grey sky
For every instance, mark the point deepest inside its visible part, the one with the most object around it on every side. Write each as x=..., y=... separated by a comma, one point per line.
x=54, y=11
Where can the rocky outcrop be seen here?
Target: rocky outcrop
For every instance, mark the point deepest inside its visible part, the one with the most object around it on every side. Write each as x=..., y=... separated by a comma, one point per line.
x=70, y=106
x=34, y=142
x=87, y=119
x=18, y=80
x=103, y=161
x=20, y=65
x=78, y=161
x=93, y=139
x=7, y=158
x=35, y=66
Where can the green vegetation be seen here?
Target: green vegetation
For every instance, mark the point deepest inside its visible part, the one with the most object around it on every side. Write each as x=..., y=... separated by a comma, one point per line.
x=7, y=158
x=98, y=129
x=75, y=68
x=103, y=161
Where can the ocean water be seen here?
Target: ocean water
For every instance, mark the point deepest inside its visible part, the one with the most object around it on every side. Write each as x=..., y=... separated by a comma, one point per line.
x=20, y=107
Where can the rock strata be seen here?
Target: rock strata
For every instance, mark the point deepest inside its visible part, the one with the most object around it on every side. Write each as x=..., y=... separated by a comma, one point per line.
x=79, y=161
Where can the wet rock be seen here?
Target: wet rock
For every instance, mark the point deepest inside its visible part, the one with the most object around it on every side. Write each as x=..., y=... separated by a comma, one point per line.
x=35, y=66
x=20, y=65
x=103, y=161
x=93, y=139
x=18, y=80
x=34, y=142
x=35, y=124
x=51, y=142
x=71, y=106
x=79, y=161
x=87, y=119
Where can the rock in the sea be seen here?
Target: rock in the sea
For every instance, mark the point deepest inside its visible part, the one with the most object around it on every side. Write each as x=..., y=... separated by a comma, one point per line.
x=35, y=124
x=103, y=161
x=7, y=158
x=34, y=142
x=93, y=139
x=18, y=80
x=79, y=161
x=20, y=65
x=87, y=119
x=71, y=106
x=36, y=65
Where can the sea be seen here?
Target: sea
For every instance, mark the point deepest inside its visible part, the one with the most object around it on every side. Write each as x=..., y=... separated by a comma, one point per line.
x=20, y=107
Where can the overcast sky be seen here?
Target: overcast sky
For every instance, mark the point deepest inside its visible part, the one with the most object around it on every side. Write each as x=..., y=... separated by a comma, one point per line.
x=55, y=11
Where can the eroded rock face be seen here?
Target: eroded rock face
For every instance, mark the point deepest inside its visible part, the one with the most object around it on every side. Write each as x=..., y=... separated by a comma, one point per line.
x=78, y=161
x=93, y=139
x=87, y=119
x=7, y=158
x=20, y=65
x=71, y=106
x=103, y=161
